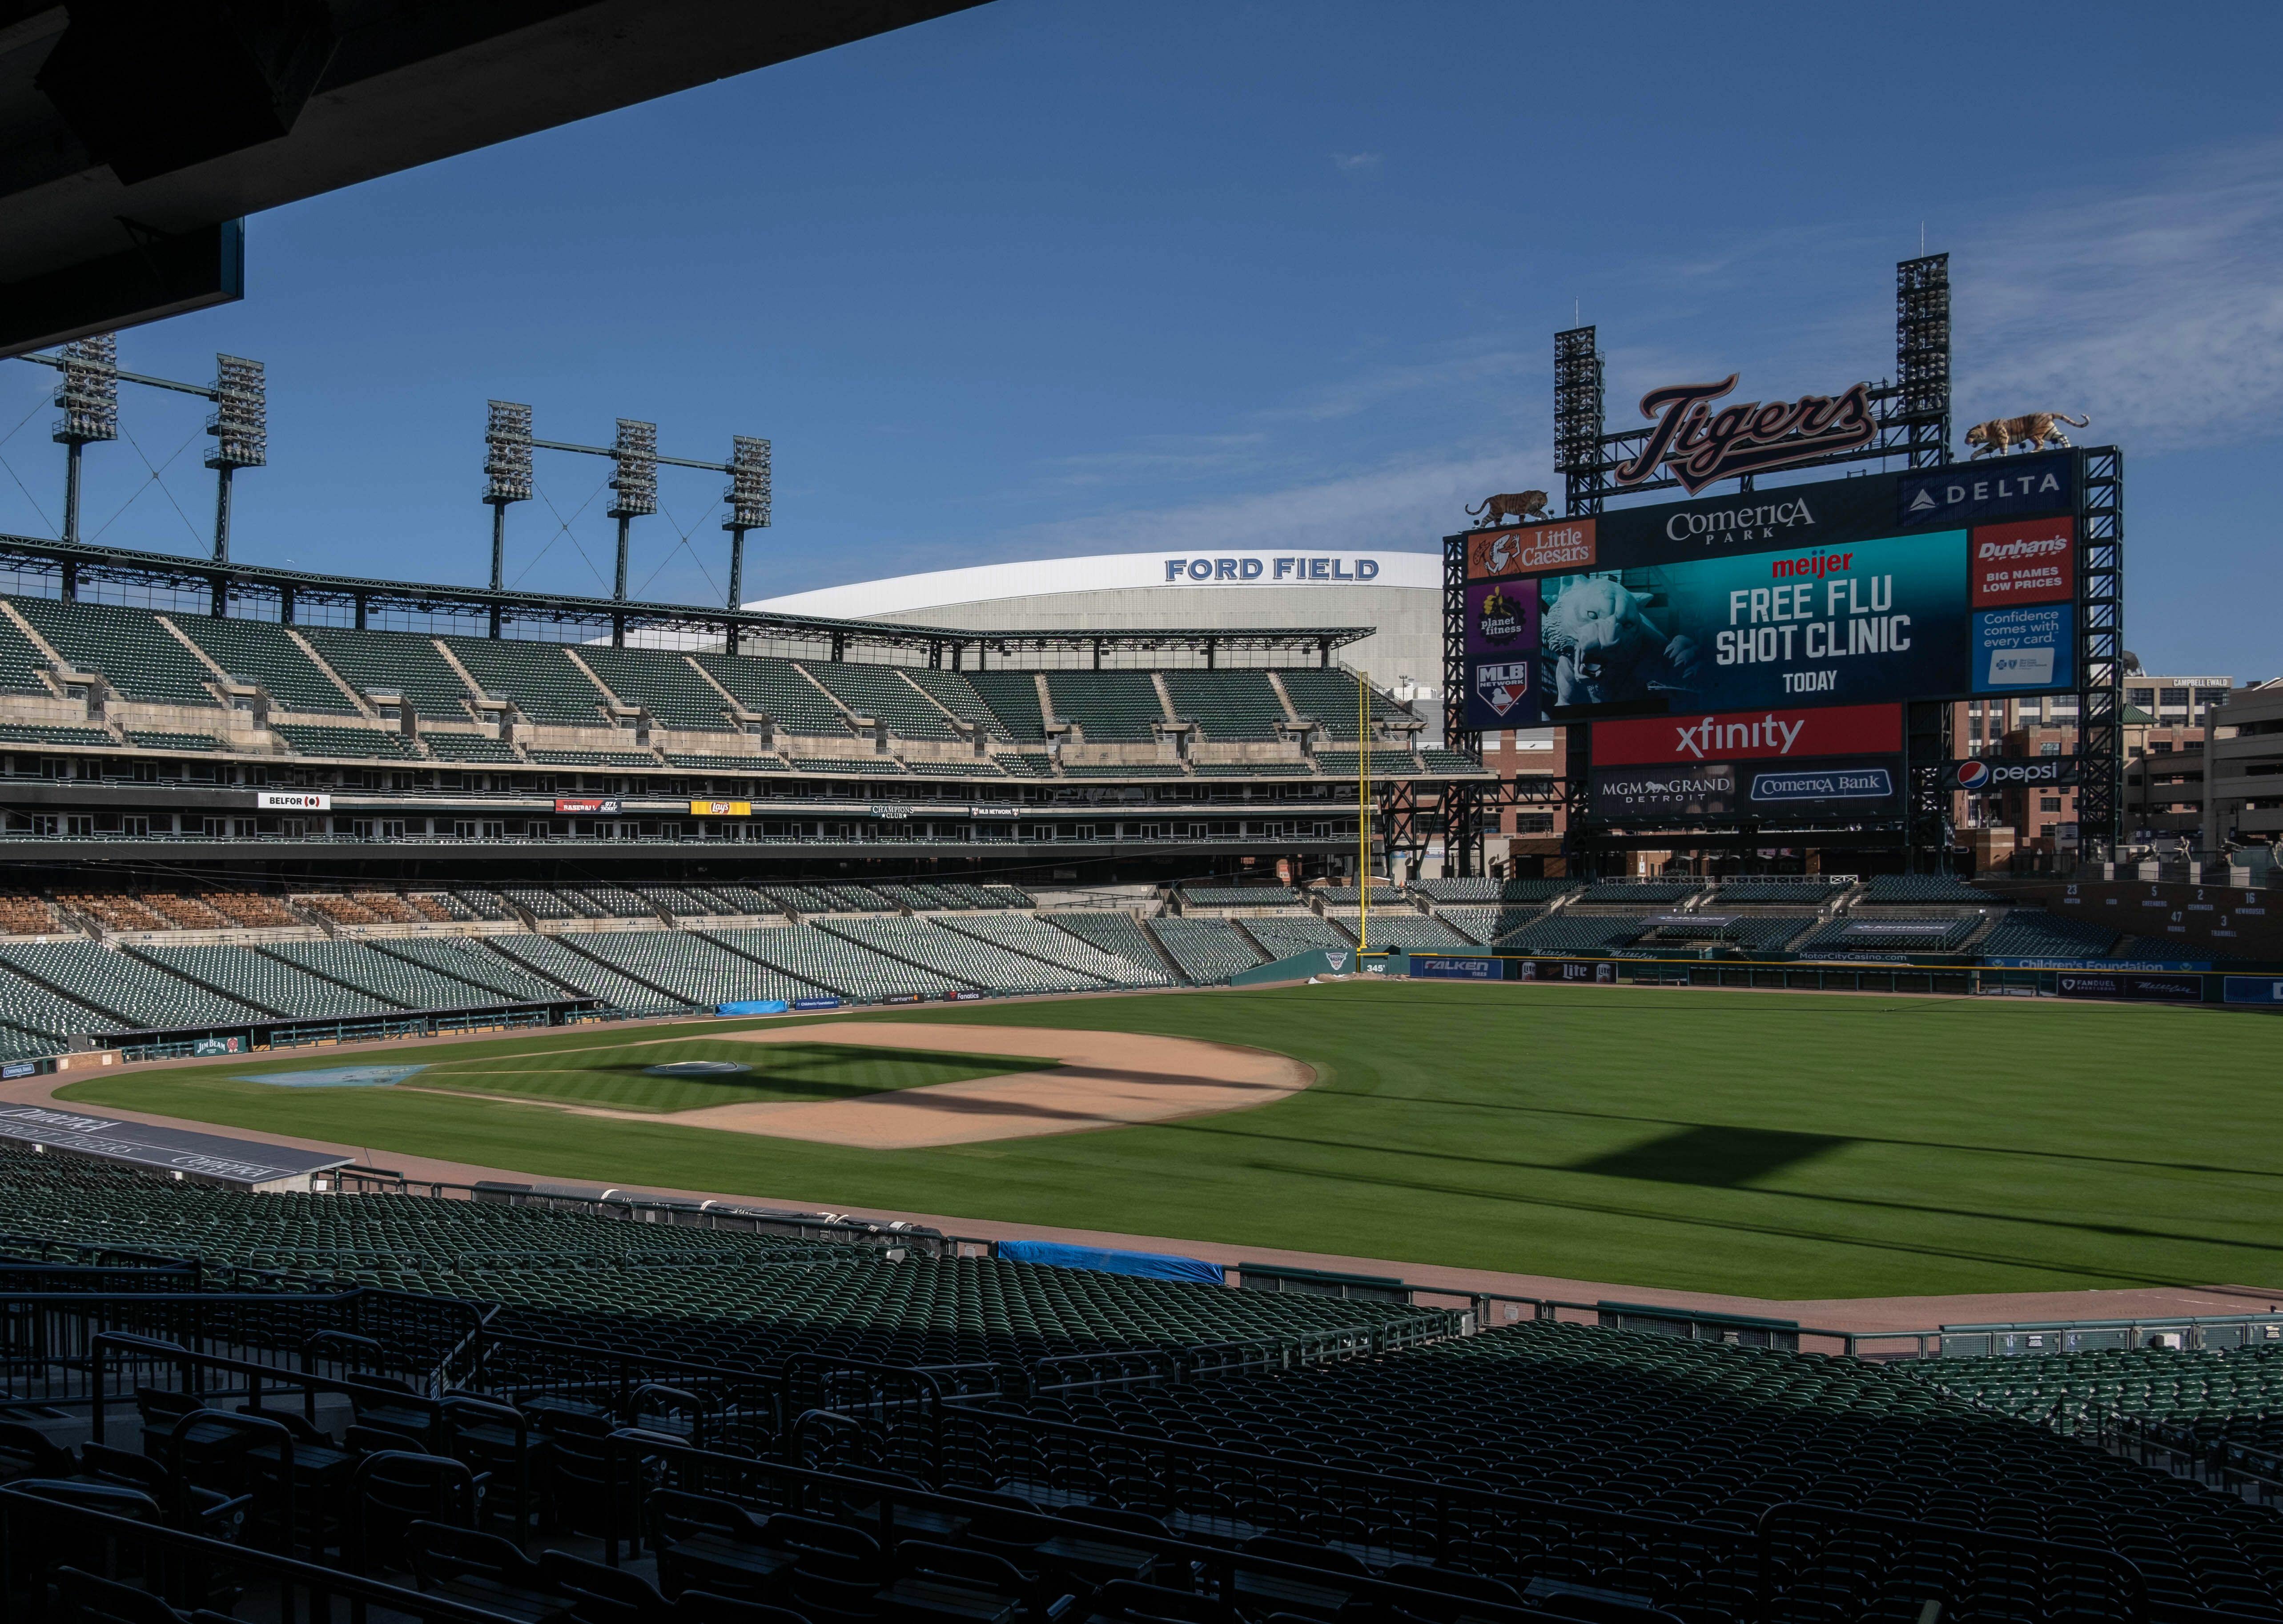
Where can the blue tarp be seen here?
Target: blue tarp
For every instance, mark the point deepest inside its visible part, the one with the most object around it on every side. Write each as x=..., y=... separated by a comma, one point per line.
x=755, y=1006
x=1151, y=1265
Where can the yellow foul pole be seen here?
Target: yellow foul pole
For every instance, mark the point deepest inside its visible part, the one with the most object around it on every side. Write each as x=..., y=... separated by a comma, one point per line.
x=1363, y=816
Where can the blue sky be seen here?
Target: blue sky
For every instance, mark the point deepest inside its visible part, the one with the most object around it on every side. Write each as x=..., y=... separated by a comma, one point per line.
x=1044, y=278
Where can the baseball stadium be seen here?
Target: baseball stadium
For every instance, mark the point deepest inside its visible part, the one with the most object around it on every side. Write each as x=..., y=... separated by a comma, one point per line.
x=1022, y=1091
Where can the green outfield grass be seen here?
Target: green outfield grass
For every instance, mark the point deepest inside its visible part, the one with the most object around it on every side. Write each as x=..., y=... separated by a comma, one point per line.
x=606, y=1072
x=1777, y=1145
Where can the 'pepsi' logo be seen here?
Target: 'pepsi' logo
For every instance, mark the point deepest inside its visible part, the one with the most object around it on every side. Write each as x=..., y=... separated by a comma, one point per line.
x=1973, y=774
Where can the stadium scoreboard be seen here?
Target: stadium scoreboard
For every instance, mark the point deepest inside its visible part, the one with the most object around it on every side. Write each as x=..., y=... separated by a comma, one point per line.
x=1749, y=655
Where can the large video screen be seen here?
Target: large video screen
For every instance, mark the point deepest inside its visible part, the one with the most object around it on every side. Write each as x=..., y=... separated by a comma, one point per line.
x=1947, y=584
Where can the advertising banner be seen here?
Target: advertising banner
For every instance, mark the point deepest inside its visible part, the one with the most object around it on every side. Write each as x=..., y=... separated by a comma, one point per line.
x=1979, y=775
x=721, y=809
x=1630, y=794
x=1527, y=548
x=1827, y=790
x=2253, y=989
x=960, y=994
x=1851, y=788
x=2024, y=649
x=2127, y=984
x=1562, y=970
x=2043, y=483
x=608, y=808
x=816, y=1004
x=1441, y=967
x=2031, y=563
x=1855, y=591
x=291, y=800
x=905, y=998
x=1739, y=735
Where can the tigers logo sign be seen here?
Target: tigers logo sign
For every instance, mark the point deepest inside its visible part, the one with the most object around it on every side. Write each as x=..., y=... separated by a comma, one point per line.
x=1528, y=549
x=1697, y=445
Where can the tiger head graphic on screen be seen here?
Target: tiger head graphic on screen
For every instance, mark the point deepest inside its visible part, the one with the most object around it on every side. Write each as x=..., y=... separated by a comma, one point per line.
x=1606, y=648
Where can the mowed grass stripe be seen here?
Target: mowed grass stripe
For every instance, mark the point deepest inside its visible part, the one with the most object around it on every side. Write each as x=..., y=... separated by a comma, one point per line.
x=1777, y=1145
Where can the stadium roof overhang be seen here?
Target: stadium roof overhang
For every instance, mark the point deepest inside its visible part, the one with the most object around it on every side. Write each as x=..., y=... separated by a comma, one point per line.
x=345, y=600
x=139, y=136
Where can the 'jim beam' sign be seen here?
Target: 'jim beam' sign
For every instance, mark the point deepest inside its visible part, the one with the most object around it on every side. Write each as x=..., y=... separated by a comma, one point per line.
x=1698, y=445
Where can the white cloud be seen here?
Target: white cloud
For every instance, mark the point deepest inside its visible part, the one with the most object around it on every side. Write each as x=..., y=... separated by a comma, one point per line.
x=2158, y=311
x=1353, y=163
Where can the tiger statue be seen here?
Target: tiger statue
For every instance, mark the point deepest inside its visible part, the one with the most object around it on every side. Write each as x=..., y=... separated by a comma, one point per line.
x=1521, y=503
x=2030, y=432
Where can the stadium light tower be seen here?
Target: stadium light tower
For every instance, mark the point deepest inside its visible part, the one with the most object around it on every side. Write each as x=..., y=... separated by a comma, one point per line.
x=89, y=396
x=748, y=498
x=635, y=481
x=507, y=473
x=240, y=426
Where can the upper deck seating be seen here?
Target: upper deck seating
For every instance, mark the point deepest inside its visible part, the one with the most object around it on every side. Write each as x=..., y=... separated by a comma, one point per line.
x=1012, y=696
x=140, y=659
x=264, y=652
x=662, y=683
x=880, y=693
x=538, y=677
x=1113, y=706
x=1331, y=699
x=20, y=661
x=776, y=689
x=396, y=662
x=955, y=693
x=1226, y=705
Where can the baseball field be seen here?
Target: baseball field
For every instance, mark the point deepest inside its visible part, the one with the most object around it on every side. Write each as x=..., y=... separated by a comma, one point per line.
x=1759, y=1144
